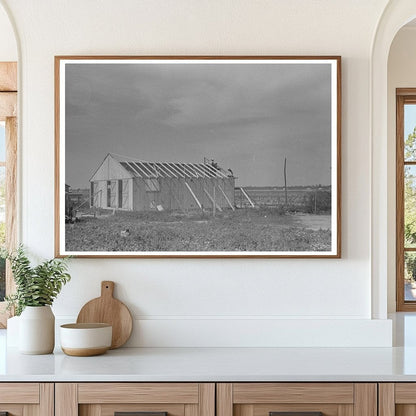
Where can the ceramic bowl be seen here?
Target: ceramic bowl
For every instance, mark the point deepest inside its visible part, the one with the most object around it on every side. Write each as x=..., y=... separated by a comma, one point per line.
x=83, y=340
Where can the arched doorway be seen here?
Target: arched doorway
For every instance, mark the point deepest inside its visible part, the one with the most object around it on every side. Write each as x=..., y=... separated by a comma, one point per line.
x=395, y=16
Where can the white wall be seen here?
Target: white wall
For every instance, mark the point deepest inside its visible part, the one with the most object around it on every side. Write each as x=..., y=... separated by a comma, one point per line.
x=401, y=74
x=201, y=299
x=8, y=47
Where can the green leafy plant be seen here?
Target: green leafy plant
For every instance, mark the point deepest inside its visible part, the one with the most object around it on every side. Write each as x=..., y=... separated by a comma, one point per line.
x=35, y=285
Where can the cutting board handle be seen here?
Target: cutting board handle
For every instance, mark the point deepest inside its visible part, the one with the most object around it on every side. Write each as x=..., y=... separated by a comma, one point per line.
x=107, y=289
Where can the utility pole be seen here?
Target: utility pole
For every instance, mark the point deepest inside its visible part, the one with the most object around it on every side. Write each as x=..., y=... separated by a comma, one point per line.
x=284, y=173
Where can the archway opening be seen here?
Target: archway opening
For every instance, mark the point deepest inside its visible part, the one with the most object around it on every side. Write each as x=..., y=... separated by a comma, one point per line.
x=401, y=125
x=383, y=239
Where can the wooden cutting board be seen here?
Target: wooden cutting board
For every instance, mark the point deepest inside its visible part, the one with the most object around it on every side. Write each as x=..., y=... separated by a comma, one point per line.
x=108, y=310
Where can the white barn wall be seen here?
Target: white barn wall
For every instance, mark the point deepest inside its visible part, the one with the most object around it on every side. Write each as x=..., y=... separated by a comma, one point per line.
x=110, y=169
x=203, y=298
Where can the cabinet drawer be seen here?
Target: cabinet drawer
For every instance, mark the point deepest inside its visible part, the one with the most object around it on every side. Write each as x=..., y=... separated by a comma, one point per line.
x=19, y=393
x=147, y=399
x=296, y=399
x=138, y=393
x=21, y=399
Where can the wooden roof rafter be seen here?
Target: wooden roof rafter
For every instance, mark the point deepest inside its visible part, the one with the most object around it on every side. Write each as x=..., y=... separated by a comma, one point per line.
x=173, y=166
x=163, y=170
x=134, y=168
x=168, y=169
x=187, y=170
x=215, y=171
x=144, y=167
x=154, y=170
x=202, y=172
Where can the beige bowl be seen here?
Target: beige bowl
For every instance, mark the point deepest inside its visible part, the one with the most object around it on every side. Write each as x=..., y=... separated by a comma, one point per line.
x=83, y=340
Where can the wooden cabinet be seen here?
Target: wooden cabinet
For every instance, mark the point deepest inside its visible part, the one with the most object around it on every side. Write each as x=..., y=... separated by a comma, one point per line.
x=264, y=399
x=397, y=399
x=208, y=399
x=27, y=399
x=107, y=399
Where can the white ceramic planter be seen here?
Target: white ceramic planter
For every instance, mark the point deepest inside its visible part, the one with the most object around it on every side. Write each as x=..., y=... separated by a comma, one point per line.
x=37, y=330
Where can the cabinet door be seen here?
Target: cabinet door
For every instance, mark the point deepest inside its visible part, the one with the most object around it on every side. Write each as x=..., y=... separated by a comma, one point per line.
x=397, y=399
x=26, y=399
x=297, y=399
x=142, y=399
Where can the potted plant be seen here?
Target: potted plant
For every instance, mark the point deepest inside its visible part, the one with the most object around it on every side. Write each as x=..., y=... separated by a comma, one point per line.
x=36, y=289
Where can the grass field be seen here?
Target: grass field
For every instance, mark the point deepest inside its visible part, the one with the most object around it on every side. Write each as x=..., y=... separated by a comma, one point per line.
x=262, y=229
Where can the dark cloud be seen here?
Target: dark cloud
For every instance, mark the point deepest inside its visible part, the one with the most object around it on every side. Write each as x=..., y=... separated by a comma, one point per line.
x=248, y=117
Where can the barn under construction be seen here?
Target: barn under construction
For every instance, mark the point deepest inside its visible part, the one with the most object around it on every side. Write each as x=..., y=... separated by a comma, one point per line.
x=124, y=183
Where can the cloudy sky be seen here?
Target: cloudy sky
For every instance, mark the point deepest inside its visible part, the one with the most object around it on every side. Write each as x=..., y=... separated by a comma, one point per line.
x=248, y=117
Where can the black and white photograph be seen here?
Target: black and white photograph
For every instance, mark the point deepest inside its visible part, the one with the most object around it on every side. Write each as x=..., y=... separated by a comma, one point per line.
x=198, y=156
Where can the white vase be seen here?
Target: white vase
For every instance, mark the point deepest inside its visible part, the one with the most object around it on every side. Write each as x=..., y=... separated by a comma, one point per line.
x=37, y=330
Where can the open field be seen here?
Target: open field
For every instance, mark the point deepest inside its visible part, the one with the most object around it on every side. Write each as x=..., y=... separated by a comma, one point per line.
x=247, y=229
x=308, y=199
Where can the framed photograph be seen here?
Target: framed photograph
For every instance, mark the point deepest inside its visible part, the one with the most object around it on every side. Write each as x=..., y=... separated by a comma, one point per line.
x=198, y=156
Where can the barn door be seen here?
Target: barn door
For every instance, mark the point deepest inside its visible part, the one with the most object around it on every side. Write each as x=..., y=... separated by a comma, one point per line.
x=108, y=194
x=125, y=202
x=111, y=194
x=120, y=193
x=92, y=194
x=99, y=189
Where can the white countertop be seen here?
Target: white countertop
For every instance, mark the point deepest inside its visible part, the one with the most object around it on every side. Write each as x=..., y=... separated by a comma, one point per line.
x=215, y=364
x=221, y=364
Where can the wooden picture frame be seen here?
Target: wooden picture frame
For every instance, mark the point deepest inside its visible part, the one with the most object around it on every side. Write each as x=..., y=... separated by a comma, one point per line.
x=230, y=156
